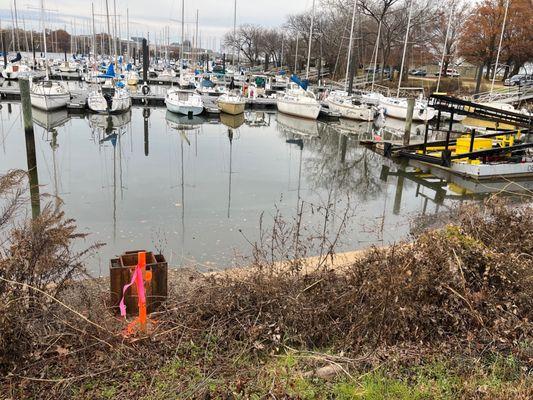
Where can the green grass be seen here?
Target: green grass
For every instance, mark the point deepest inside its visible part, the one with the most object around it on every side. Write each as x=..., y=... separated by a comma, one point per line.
x=284, y=375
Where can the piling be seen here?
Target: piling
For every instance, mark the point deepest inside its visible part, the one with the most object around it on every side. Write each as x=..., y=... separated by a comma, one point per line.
x=408, y=121
x=146, y=116
x=65, y=55
x=224, y=63
x=24, y=86
x=146, y=60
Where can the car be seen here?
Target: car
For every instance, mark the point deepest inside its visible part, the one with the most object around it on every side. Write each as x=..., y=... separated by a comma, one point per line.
x=518, y=79
x=417, y=72
x=450, y=72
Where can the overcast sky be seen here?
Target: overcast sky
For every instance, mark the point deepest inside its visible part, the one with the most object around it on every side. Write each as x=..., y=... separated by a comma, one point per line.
x=215, y=16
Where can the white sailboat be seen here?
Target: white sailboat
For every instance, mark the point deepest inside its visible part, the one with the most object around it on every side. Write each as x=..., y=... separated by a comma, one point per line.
x=342, y=102
x=12, y=71
x=48, y=95
x=186, y=102
x=112, y=97
x=298, y=100
x=396, y=107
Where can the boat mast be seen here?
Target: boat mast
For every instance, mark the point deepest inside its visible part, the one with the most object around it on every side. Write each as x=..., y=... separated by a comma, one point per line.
x=376, y=56
x=108, y=26
x=310, y=40
x=499, y=46
x=350, y=48
x=445, y=44
x=296, y=53
x=16, y=23
x=196, y=39
x=182, y=29
x=234, y=32
x=94, y=31
x=404, y=48
x=115, y=29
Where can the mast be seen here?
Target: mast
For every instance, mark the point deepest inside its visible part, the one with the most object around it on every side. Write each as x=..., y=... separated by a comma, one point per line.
x=350, y=47
x=404, y=48
x=182, y=29
x=376, y=56
x=16, y=23
x=310, y=41
x=445, y=44
x=296, y=53
x=234, y=31
x=108, y=26
x=94, y=31
x=115, y=28
x=499, y=46
x=128, y=31
x=44, y=40
x=196, y=39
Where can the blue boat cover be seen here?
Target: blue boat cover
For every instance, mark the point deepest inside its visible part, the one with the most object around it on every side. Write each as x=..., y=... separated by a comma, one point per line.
x=303, y=84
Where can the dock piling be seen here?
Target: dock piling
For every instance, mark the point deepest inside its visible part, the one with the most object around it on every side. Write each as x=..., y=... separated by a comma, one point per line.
x=408, y=121
x=24, y=85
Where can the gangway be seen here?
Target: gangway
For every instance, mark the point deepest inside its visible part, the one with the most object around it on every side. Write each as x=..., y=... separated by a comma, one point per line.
x=507, y=95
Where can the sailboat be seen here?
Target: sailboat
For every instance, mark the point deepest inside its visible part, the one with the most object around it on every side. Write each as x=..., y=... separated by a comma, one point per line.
x=396, y=107
x=48, y=95
x=186, y=102
x=110, y=98
x=231, y=103
x=298, y=100
x=342, y=102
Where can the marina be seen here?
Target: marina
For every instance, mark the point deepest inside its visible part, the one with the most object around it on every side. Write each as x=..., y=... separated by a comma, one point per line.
x=227, y=199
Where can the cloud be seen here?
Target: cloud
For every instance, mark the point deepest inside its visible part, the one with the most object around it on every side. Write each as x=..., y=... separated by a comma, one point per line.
x=215, y=16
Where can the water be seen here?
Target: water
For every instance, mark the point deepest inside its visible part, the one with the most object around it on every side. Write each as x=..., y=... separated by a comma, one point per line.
x=196, y=188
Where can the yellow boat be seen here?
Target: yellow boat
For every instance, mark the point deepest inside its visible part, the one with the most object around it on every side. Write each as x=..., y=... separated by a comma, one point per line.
x=231, y=104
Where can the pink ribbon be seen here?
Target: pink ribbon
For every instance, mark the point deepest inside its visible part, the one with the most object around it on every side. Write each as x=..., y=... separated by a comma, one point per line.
x=137, y=278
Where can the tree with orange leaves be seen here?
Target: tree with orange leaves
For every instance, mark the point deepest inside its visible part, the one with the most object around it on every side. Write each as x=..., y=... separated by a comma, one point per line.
x=480, y=36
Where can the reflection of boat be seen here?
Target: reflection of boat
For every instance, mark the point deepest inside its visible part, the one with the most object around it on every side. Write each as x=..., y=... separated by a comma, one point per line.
x=399, y=125
x=352, y=127
x=103, y=121
x=257, y=118
x=51, y=119
x=297, y=126
x=182, y=122
x=232, y=121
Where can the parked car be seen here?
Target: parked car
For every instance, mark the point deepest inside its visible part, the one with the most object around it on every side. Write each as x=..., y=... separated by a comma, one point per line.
x=518, y=79
x=450, y=72
x=417, y=72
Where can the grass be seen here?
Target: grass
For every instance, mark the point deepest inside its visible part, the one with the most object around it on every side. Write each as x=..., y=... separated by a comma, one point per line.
x=283, y=376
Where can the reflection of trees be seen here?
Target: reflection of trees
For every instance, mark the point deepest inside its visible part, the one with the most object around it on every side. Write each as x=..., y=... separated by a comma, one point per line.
x=337, y=162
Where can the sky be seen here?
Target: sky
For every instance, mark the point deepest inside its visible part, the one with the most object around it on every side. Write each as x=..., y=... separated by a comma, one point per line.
x=215, y=16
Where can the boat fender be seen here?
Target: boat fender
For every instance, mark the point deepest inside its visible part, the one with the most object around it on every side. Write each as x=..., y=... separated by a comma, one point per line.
x=145, y=89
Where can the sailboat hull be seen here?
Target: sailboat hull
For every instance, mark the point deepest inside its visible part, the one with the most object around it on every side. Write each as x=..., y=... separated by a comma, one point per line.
x=352, y=111
x=231, y=108
x=398, y=109
x=119, y=103
x=302, y=110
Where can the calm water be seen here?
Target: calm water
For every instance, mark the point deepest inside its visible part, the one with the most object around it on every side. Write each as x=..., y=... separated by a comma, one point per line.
x=189, y=187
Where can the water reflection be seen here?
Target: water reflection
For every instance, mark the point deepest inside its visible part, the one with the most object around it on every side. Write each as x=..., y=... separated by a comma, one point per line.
x=150, y=178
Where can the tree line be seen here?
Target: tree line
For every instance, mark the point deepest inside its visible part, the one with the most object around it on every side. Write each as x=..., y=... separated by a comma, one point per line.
x=472, y=30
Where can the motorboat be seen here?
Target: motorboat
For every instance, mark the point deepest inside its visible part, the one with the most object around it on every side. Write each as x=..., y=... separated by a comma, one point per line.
x=231, y=103
x=185, y=102
x=49, y=95
x=299, y=103
x=397, y=108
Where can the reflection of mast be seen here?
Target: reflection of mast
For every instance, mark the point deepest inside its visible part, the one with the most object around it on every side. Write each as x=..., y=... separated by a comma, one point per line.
x=300, y=144
x=146, y=115
x=230, y=137
x=54, y=146
x=182, y=200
